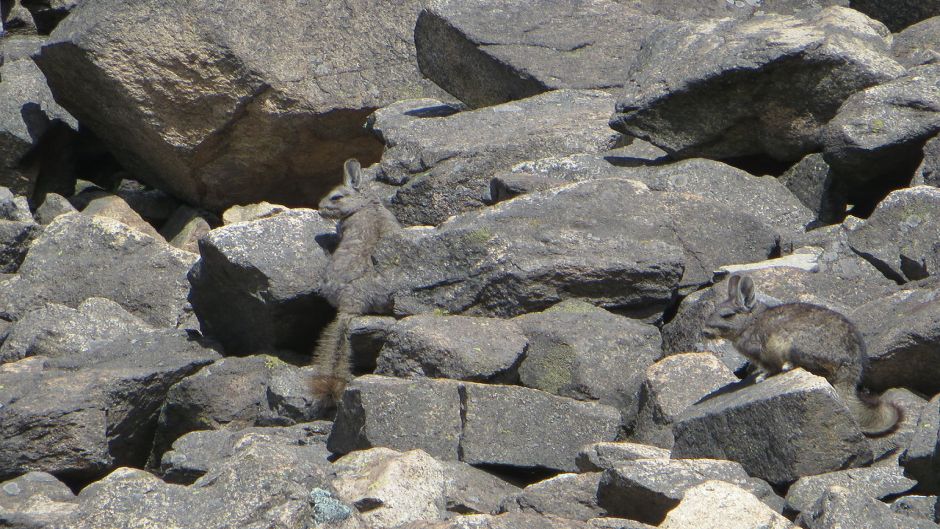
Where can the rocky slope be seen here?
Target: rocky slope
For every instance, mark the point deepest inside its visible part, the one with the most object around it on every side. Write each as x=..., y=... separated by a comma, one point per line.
x=577, y=181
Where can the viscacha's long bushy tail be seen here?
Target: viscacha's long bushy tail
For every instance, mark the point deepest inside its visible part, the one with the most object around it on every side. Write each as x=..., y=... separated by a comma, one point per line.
x=331, y=360
x=875, y=415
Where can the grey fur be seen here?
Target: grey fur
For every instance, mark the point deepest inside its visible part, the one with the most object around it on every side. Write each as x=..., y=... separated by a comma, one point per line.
x=349, y=282
x=815, y=338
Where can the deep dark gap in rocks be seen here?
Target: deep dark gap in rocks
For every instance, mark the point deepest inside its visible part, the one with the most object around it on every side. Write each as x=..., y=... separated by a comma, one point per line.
x=520, y=477
x=865, y=198
x=45, y=17
x=759, y=165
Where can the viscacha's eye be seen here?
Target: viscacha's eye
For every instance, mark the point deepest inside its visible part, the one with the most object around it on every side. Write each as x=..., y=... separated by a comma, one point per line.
x=334, y=198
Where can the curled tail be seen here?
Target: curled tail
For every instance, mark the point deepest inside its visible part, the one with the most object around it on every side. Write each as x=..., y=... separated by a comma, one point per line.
x=875, y=415
x=331, y=360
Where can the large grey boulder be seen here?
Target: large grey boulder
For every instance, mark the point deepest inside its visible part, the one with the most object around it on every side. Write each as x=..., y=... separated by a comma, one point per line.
x=48, y=13
x=767, y=84
x=646, y=489
x=919, y=43
x=876, y=482
x=773, y=429
x=719, y=505
x=929, y=170
x=27, y=110
x=612, y=242
x=443, y=164
x=898, y=14
x=78, y=257
x=843, y=507
x=115, y=207
x=454, y=347
x=84, y=415
x=584, y=352
x=236, y=393
x=235, y=115
x=811, y=180
x=572, y=496
x=35, y=499
x=902, y=332
x=487, y=52
x=254, y=288
x=879, y=133
x=921, y=458
x=469, y=490
x=899, y=238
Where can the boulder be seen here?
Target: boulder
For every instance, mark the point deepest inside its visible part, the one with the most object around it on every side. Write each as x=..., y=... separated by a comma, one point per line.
x=235, y=393
x=763, y=85
x=877, y=482
x=717, y=505
x=929, y=171
x=35, y=499
x=876, y=140
x=454, y=347
x=196, y=453
x=48, y=13
x=672, y=385
x=52, y=206
x=902, y=332
x=646, y=489
x=571, y=496
x=921, y=458
x=442, y=165
x=527, y=428
x=918, y=44
x=899, y=237
x=841, y=507
x=682, y=10
x=254, y=288
x=488, y=52
x=57, y=331
x=773, y=429
x=584, y=352
x=924, y=507
x=251, y=212
x=512, y=520
x=78, y=257
x=626, y=252
x=469, y=490
x=811, y=180
x=80, y=416
x=17, y=20
x=602, y=456
x=114, y=207
x=234, y=117
x=15, y=239
x=185, y=227
x=900, y=14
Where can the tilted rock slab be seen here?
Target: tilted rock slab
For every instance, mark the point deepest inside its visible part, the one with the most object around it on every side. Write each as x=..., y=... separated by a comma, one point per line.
x=929, y=170
x=78, y=257
x=35, y=499
x=774, y=429
x=918, y=44
x=898, y=14
x=444, y=163
x=762, y=85
x=613, y=243
x=223, y=104
x=474, y=423
x=682, y=10
x=879, y=133
x=487, y=52
x=254, y=288
x=572, y=496
x=876, y=482
x=720, y=505
x=921, y=459
x=843, y=507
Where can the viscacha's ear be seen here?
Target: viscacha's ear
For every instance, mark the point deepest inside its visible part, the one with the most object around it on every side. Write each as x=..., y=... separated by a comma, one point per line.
x=352, y=173
x=748, y=293
x=733, y=282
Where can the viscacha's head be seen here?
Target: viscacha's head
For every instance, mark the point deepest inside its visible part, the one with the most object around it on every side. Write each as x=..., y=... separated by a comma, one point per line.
x=732, y=315
x=347, y=198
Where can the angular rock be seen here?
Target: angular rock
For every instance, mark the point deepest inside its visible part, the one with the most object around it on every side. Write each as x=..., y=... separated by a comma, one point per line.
x=646, y=489
x=391, y=488
x=367, y=336
x=27, y=110
x=902, y=333
x=785, y=416
x=309, y=91
x=626, y=251
x=767, y=84
x=185, y=227
x=899, y=14
x=114, y=207
x=682, y=10
x=469, y=490
x=17, y=20
x=672, y=385
x=59, y=331
x=15, y=239
x=53, y=206
x=512, y=520
x=924, y=507
x=254, y=287
x=84, y=422
x=899, y=237
x=251, y=212
x=152, y=204
x=235, y=393
x=811, y=180
x=196, y=453
x=443, y=165
x=878, y=134
x=78, y=257
x=921, y=459
x=929, y=171
x=603, y=456
x=16, y=47
x=841, y=507
x=584, y=352
x=454, y=347
x=918, y=44
x=399, y=414
x=571, y=496
x=519, y=427
x=35, y=499
x=875, y=482
x=717, y=505
x=487, y=52
x=48, y=13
